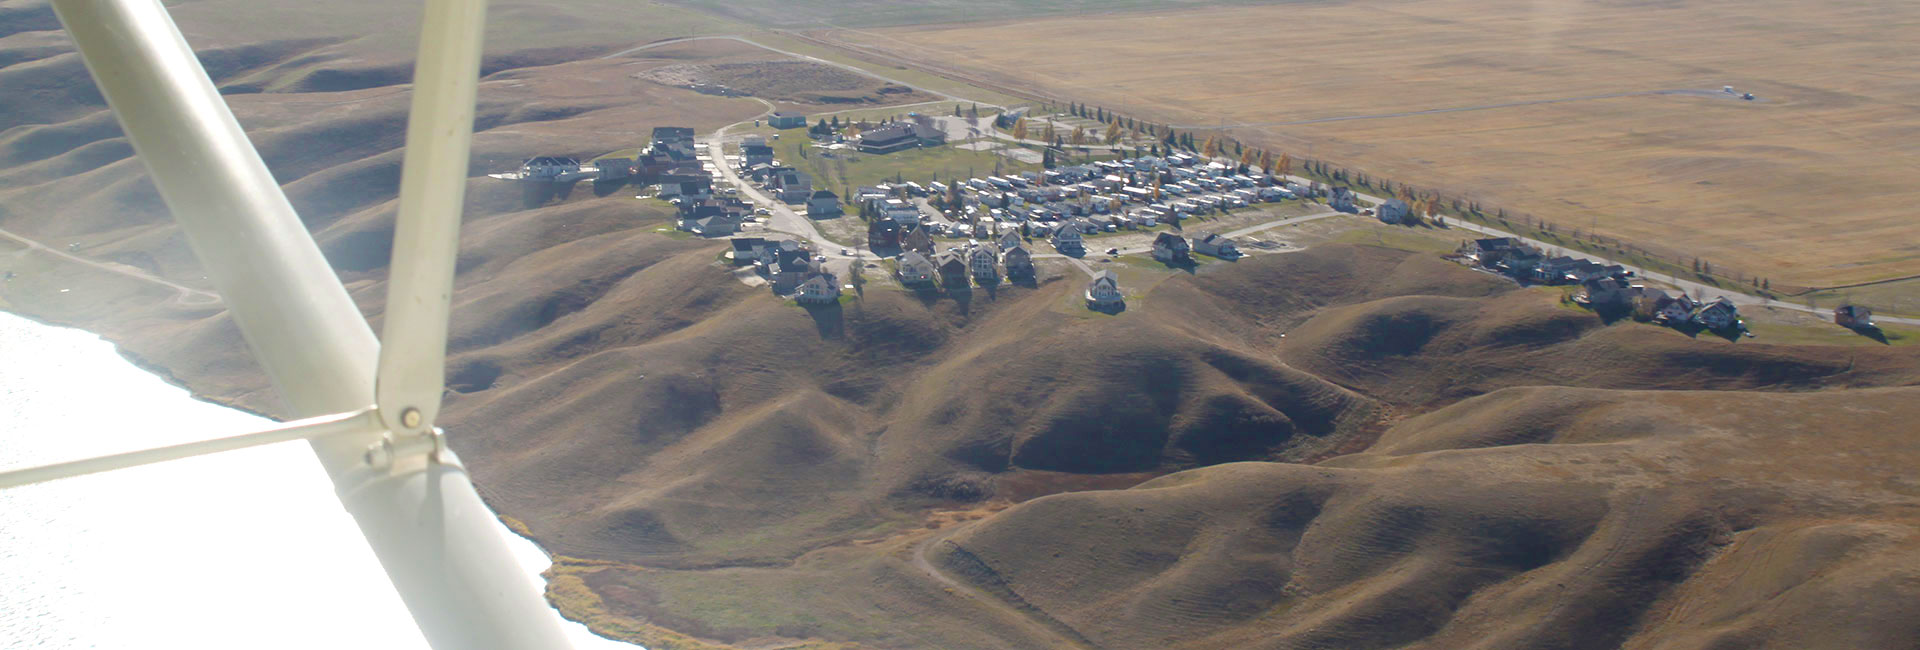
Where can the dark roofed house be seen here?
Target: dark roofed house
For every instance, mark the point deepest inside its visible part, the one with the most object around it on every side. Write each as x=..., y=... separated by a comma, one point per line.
x=676, y=141
x=792, y=185
x=756, y=154
x=1853, y=316
x=787, y=120
x=746, y=250
x=1018, y=261
x=917, y=239
x=1172, y=249
x=823, y=203
x=883, y=234
x=952, y=267
x=1606, y=292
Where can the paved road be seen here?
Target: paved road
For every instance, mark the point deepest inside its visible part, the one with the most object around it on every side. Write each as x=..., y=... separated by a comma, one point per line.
x=184, y=295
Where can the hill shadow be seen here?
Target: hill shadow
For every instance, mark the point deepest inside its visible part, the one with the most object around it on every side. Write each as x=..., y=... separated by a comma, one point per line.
x=1872, y=332
x=828, y=319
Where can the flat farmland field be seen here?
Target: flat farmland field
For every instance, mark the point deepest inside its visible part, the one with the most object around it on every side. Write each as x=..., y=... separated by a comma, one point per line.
x=1606, y=116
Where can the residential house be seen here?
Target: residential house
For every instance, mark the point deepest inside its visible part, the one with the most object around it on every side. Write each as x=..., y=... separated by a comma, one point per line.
x=883, y=234
x=917, y=239
x=1219, y=246
x=787, y=120
x=1018, y=261
x=1606, y=292
x=1647, y=302
x=792, y=185
x=718, y=225
x=1341, y=200
x=914, y=269
x=819, y=288
x=746, y=250
x=1009, y=239
x=1103, y=291
x=1853, y=316
x=1720, y=314
x=822, y=204
x=1172, y=249
x=691, y=182
x=1395, y=211
x=674, y=141
x=1676, y=310
x=983, y=261
x=755, y=154
x=1067, y=239
x=1490, y=251
x=952, y=267
x=792, y=263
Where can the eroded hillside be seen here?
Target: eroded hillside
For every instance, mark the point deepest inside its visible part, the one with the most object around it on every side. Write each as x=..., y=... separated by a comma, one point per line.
x=1347, y=446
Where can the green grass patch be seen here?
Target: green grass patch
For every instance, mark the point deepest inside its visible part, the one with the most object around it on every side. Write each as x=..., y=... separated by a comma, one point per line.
x=843, y=171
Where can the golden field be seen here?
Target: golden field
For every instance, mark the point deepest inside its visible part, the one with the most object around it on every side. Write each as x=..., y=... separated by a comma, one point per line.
x=1812, y=185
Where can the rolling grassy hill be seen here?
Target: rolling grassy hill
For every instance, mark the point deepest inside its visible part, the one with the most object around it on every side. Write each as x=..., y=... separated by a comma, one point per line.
x=1348, y=446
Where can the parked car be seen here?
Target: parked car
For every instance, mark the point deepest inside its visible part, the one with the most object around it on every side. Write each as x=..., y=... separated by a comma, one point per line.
x=846, y=251
x=1113, y=251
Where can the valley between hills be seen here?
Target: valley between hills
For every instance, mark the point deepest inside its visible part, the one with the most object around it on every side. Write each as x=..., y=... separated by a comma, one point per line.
x=1358, y=444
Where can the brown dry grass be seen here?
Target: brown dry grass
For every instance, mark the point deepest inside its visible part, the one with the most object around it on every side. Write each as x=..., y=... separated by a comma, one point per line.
x=1810, y=187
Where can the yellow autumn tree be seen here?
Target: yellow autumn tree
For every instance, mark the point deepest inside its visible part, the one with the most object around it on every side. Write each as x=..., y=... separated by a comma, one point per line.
x=1113, y=132
x=1079, y=135
x=1020, y=129
x=1266, y=162
x=1285, y=166
x=1211, y=148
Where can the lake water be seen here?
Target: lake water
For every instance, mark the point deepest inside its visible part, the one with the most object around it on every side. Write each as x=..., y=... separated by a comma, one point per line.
x=247, y=549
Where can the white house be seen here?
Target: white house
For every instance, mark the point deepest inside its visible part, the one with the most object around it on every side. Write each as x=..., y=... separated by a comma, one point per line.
x=1103, y=292
x=1717, y=315
x=914, y=269
x=819, y=288
x=983, y=262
